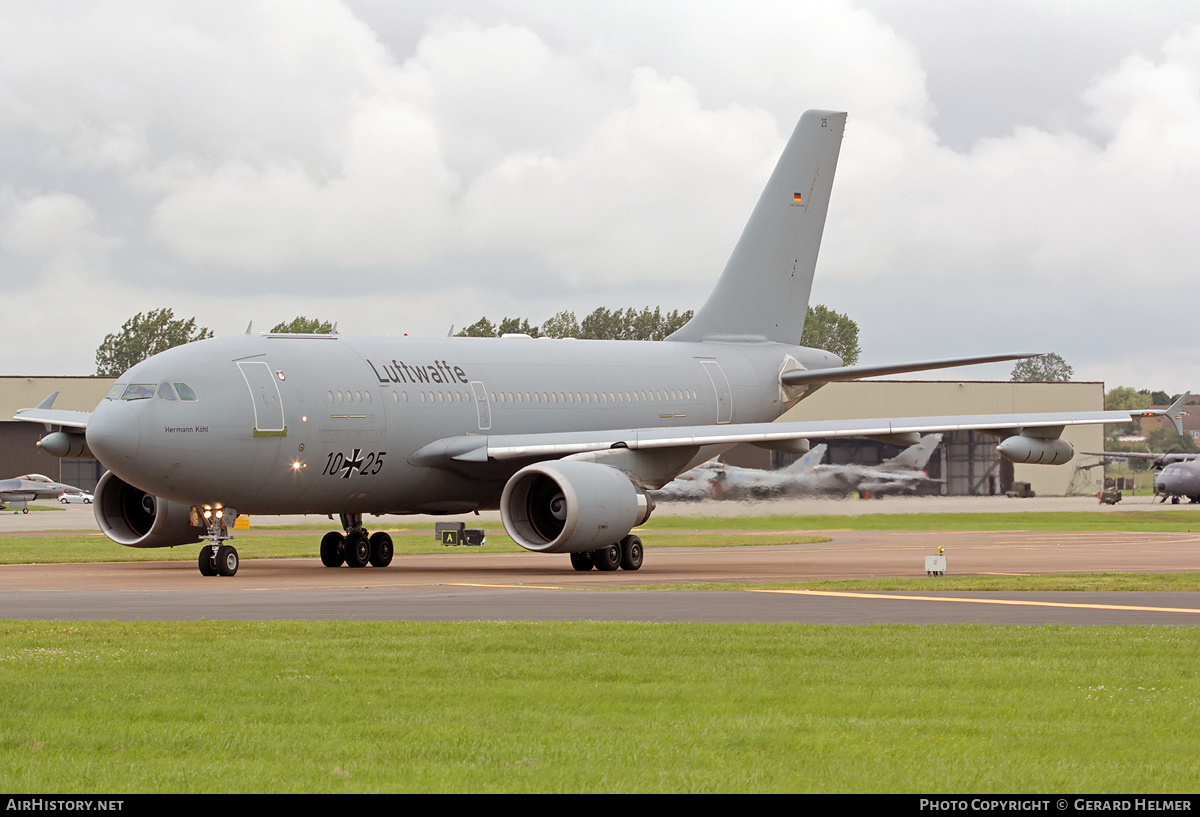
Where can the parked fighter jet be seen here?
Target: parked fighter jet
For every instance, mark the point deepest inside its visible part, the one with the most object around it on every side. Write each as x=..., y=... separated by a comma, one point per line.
x=18, y=492
x=1179, y=474
x=903, y=473
x=565, y=437
x=717, y=480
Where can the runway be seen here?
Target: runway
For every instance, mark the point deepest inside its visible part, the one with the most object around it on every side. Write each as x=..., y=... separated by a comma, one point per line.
x=472, y=585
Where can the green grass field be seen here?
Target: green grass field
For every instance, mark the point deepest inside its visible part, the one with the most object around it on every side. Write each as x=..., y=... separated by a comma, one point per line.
x=595, y=707
x=605, y=707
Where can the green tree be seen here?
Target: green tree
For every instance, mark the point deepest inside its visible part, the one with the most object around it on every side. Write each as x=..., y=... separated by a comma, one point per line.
x=144, y=335
x=482, y=328
x=831, y=331
x=602, y=324
x=1049, y=368
x=517, y=326
x=1166, y=441
x=1124, y=398
x=562, y=325
x=301, y=325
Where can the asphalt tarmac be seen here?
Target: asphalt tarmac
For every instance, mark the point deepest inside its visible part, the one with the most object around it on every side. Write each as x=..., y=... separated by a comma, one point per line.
x=478, y=585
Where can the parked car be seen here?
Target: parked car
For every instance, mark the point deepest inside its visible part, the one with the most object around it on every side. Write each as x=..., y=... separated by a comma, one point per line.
x=72, y=497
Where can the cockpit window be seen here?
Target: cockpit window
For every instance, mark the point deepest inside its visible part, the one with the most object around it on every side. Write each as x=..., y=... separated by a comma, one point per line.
x=116, y=391
x=165, y=392
x=186, y=393
x=138, y=391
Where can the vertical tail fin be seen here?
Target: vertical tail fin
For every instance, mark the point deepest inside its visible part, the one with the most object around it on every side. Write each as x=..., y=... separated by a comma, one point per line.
x=916, y=457
x=765, y=286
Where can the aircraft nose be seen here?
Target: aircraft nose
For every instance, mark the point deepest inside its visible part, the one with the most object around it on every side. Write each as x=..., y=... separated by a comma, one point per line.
x=113, y=433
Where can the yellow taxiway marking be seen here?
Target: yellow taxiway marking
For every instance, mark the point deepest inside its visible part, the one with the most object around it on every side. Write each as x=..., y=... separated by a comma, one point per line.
x=1015, y=602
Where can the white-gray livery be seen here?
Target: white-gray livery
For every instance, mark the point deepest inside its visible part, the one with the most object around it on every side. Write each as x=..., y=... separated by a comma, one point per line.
x=565, y=437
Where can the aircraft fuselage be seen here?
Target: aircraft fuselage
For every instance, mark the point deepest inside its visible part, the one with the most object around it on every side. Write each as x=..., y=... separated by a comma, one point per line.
x=275, y=424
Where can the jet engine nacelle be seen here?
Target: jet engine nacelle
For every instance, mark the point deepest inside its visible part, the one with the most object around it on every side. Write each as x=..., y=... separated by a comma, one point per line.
x=131, y=517
x=567, y=506
x=1036, y=450
x=65, y=445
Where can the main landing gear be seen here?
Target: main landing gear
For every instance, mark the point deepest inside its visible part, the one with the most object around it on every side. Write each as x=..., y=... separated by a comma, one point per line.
x=355, y=548
x=626, y=554
x=216, y=557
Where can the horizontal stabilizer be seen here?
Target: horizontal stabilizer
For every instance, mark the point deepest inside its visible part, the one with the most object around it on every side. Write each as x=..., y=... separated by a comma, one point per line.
x=802, y=377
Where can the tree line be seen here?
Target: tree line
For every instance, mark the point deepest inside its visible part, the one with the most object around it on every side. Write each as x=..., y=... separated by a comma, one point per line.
x=149, y=333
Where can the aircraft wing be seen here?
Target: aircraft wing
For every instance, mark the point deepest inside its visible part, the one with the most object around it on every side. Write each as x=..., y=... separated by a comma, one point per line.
x=43, y=413
x=557, y=445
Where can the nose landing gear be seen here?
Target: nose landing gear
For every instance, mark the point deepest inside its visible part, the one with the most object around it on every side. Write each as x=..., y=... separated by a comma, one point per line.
x=216, y=558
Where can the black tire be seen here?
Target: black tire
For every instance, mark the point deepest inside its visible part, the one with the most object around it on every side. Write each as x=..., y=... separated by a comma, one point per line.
x=582, y=561
x=357, y=550
x=207, y=566
x=607, y=559
x=227, y=560
x=631, y=553
x=331, y=549
x=381, y=549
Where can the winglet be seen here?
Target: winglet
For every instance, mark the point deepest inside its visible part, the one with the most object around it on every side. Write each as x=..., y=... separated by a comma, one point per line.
x=1175, y=412
x=48, y=402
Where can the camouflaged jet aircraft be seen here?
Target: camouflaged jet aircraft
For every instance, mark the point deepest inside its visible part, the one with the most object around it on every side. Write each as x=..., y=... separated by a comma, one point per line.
x=18, y=492
x=565, y=437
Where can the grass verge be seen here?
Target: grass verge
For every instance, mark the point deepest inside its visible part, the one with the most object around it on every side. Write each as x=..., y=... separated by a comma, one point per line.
x=594, y=707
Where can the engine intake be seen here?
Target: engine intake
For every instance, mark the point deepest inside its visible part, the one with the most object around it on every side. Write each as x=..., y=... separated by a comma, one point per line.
x=567, y=506
x=131, y=517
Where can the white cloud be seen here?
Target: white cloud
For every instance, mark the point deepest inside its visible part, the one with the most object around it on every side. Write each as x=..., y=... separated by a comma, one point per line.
x=443, y=160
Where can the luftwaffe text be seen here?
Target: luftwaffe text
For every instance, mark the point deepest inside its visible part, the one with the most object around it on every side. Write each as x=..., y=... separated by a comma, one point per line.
x=397, y=371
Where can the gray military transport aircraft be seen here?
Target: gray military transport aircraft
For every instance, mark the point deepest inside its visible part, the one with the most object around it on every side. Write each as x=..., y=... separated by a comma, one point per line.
x=1179, y=473
x=565, y=437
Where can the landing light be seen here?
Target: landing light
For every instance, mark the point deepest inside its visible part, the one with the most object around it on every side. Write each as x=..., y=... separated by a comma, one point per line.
x=296, y=466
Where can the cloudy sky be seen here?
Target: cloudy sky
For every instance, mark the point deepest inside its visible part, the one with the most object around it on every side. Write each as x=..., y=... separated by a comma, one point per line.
x=1015, y=175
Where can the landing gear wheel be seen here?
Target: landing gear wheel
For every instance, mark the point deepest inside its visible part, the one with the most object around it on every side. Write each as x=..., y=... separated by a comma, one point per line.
x=609, y=558
x=227, y=560
x=208, y=567
x=357, y=550
x=381, y=549
x=331, y=549
x=631, y=553
x=582, y=561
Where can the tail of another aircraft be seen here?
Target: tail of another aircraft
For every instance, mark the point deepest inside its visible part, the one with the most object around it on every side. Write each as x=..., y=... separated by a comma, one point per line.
x=766, y=283
x=808, y=462
x=916, y=457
